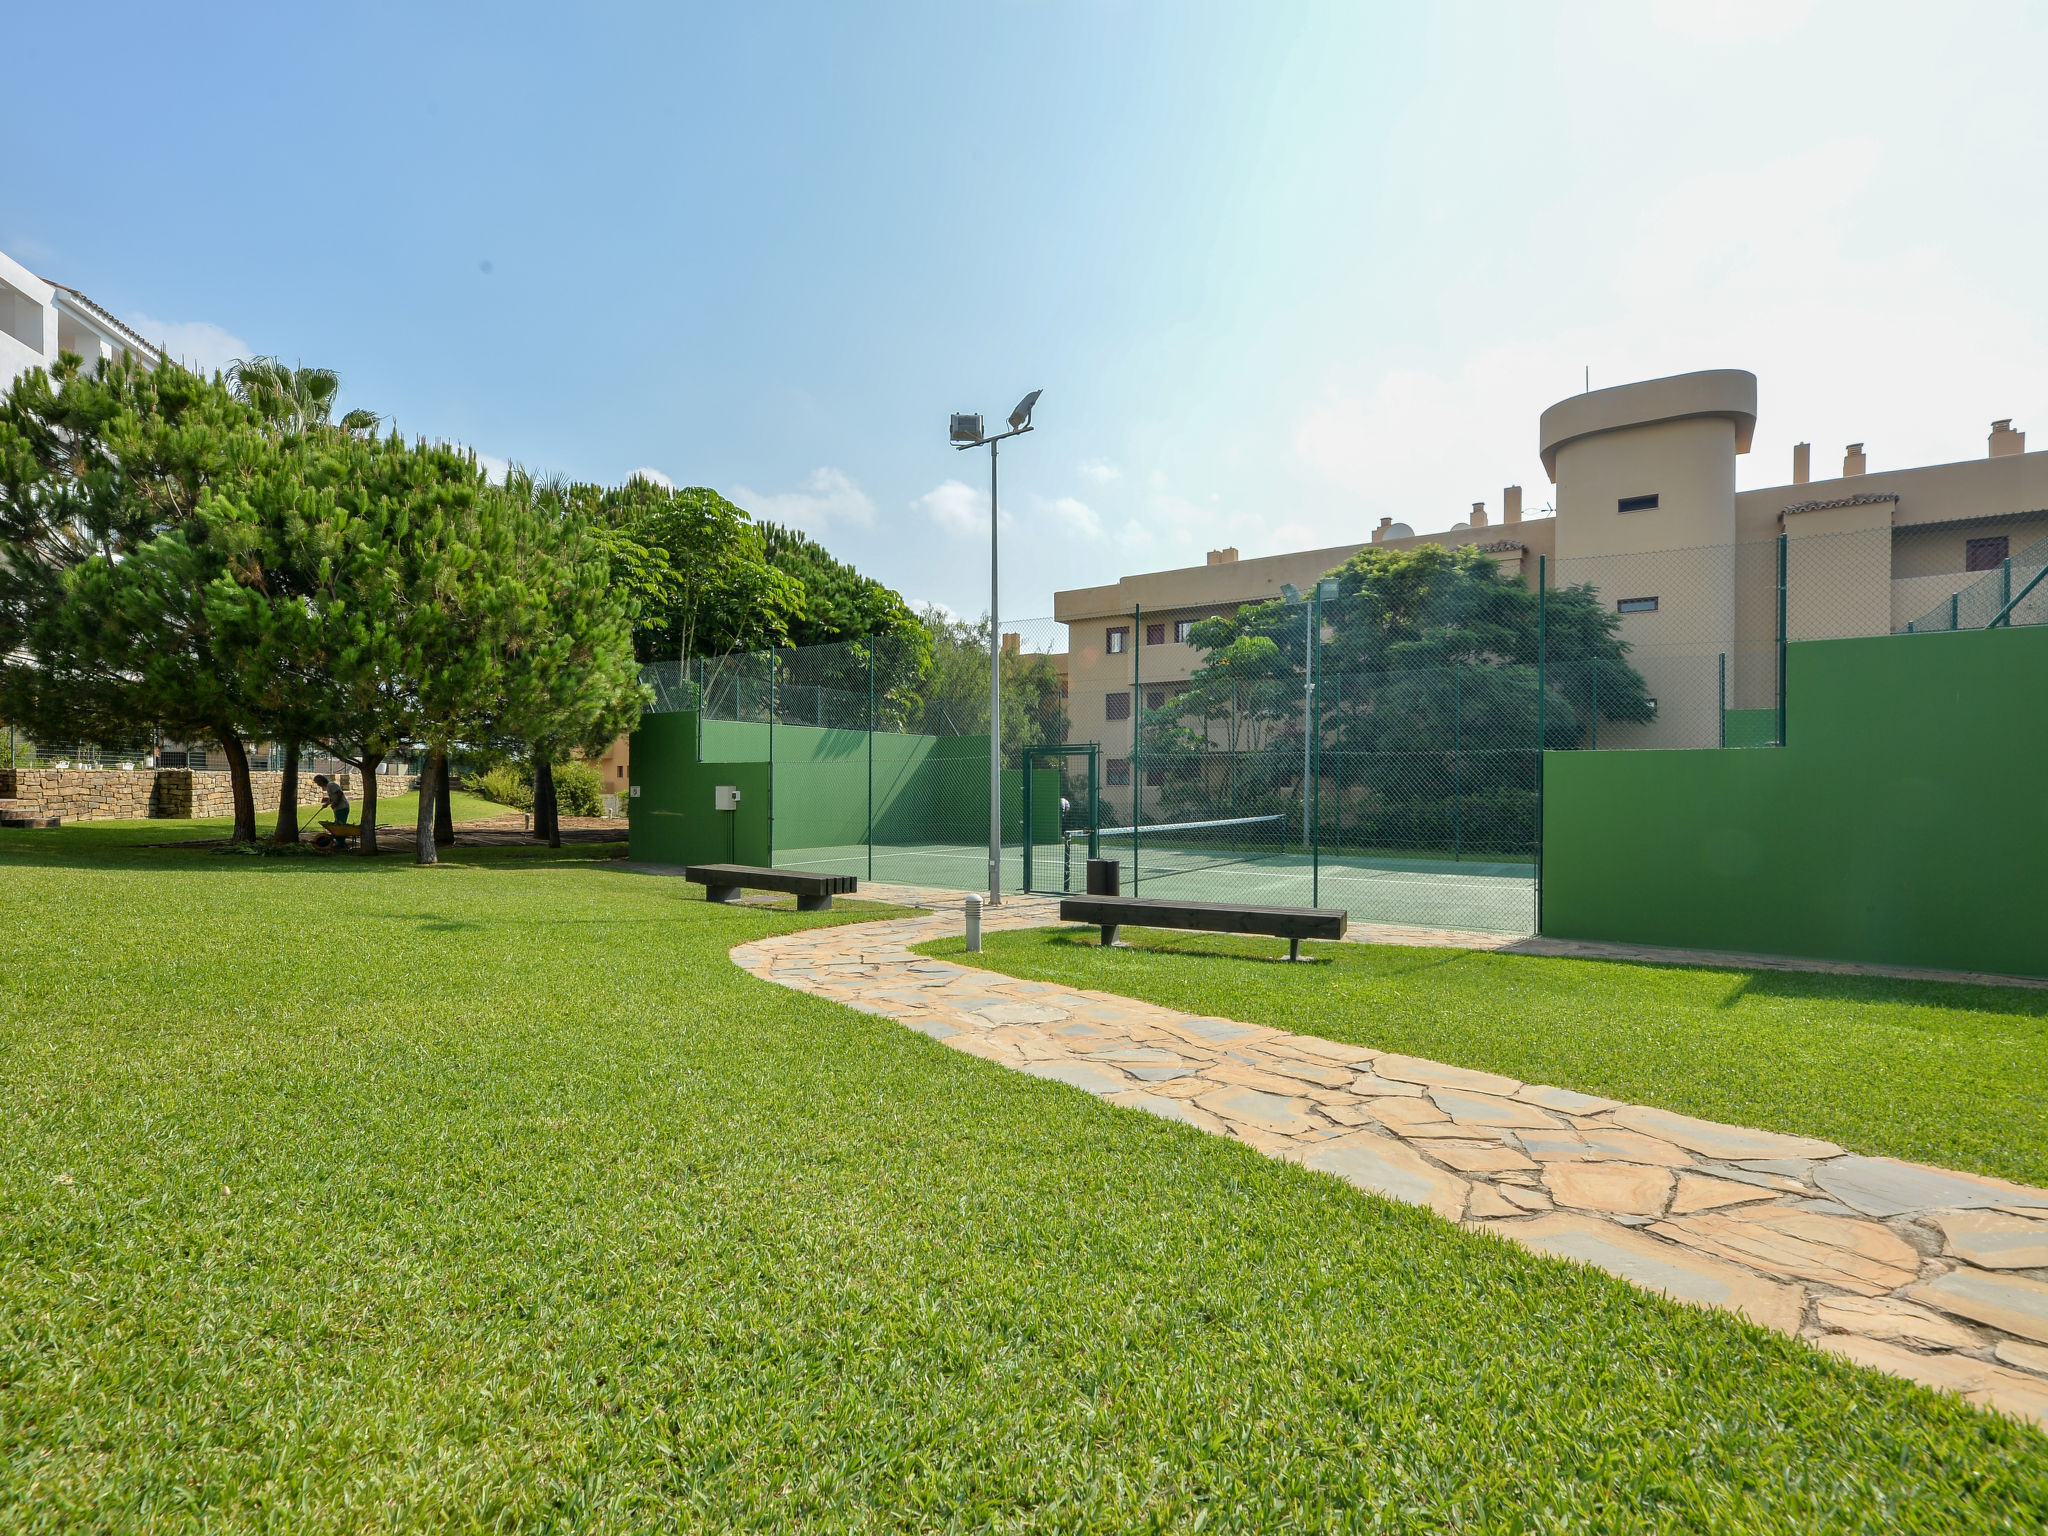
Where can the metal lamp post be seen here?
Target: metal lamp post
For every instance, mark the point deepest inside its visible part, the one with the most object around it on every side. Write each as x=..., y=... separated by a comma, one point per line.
x=966, y=433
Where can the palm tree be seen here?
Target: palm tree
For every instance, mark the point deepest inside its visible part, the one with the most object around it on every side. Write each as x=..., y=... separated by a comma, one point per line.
x=294, y=399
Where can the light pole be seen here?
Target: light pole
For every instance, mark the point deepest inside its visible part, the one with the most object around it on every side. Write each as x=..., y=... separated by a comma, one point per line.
x=966, y=433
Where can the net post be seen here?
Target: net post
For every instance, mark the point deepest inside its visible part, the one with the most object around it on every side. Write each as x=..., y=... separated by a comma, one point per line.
x=1094, y=802
x=1457, y=778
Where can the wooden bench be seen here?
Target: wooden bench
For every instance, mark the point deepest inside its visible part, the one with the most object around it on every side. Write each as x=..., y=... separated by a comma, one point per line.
x=1290, y=923
x=814, y=893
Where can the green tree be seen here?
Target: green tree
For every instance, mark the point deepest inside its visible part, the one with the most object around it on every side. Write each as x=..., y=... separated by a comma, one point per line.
x=1426, y=701
x=571, y=680
x=719, y=592
x=95, y=465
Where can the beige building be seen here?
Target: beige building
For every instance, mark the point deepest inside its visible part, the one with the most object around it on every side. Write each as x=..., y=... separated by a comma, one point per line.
x=1647, y=512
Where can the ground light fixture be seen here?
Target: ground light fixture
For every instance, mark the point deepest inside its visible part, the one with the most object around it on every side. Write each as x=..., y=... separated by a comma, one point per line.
x=966, y=432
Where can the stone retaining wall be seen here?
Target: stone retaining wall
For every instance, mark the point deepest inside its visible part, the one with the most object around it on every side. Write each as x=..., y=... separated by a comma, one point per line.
x=114, y=794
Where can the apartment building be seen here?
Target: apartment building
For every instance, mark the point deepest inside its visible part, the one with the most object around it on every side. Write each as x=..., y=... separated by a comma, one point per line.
x=39, y=319
x=1646, y=511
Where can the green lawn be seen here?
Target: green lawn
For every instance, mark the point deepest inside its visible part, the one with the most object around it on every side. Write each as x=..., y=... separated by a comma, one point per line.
x=555, y=1220
x=1931, y=1071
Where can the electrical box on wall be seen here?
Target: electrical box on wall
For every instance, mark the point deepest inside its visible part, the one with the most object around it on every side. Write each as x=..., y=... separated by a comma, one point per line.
x=634, y=792
x=726, y=797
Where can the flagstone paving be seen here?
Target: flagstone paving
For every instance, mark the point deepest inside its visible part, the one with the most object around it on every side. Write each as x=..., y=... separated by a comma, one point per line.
x=1922, y=1272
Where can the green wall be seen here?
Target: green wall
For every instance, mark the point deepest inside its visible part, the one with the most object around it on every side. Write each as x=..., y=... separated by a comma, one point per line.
x=1904, y=822
x=926, y=790
x=669, y=812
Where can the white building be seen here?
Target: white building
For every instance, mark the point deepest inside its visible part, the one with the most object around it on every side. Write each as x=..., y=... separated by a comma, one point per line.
x=40, y=319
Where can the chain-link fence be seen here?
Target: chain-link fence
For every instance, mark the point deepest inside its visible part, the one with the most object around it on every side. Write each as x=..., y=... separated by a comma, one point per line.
x=1375, y=743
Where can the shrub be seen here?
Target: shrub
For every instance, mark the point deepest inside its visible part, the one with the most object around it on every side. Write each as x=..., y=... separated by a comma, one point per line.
x=507, y=784
x=578, y=790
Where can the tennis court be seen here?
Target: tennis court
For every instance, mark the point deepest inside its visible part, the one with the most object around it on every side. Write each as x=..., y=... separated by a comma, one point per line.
x=1220, y=861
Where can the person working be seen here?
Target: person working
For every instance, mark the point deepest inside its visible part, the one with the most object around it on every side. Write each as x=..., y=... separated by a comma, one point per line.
x=331, y=792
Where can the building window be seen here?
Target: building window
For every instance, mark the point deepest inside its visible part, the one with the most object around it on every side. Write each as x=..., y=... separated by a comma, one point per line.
x=1119, y=770
x=1155, y=634
x=1119, y=640
x=1182, y=629
x=1636, y=605
x=1986, y=554
x=1155, y=698
x=1116, y=706
x=1636, y=504
x=1155, y=777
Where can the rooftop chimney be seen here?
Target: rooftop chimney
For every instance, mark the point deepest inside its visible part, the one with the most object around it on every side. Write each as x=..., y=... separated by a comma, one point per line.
x=1380, y=532
x=1511, y=504
x=1223, y=556
x=1853, y=461
x=1802, y=463
x=1478, y=514
x=1013, y=645
x=2004, y=440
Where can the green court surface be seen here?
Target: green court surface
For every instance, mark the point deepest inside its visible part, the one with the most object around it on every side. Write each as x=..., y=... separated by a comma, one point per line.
x=1491, y=897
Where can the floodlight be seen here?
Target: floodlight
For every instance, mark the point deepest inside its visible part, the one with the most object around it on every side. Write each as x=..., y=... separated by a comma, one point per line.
x=966, y=428
x=1021, y=417
x=1326, y=590
x=1290, y=591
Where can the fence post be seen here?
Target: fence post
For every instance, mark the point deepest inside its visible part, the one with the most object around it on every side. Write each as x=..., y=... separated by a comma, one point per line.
x=1595, y=665
x=2005, y=584
x=871, y=757
x=1137, y=718
x=1457, y=776
x=771, y=759
x=1312, y=805
x=1721, y=702
x=1542, y=691
x=1783, y=548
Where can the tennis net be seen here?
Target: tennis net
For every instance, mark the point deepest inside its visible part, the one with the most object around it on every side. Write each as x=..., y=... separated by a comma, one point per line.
x=1160, y=849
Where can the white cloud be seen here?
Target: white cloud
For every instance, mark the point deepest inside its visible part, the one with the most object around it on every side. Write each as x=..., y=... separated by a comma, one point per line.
x=1076, y=515
x=955, y=506
x=829, y=499
x=1855, y=328
x=200, y=345
x=494, y=467
x=945, y=611
x=1100, y=472
x=1731, y=22
x=652, y=477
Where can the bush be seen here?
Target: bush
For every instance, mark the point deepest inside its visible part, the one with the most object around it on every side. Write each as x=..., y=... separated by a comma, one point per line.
x=507, y=784
x=578, y=790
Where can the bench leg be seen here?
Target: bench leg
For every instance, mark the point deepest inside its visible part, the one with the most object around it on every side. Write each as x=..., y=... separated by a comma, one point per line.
x=1294, y=949
x=814, y=903
x=721, y=893
x=1108, y=934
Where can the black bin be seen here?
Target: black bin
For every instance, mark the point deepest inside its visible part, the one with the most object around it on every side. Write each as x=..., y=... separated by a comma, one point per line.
x=1105, y=877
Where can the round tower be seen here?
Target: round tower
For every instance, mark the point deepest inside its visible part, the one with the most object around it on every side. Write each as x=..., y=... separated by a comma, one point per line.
x=1645, y=477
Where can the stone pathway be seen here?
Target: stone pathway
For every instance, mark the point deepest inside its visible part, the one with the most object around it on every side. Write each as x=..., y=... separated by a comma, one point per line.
x=1937, y=1276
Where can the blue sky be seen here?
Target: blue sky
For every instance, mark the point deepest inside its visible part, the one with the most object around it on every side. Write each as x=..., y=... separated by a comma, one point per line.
x=1280, y=269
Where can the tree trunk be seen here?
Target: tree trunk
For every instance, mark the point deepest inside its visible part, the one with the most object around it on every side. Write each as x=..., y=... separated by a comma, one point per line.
x=238, y=779
x=547, y=821
x=424, y=850
x=444, y=808
x=288, y=798
x=371, y=762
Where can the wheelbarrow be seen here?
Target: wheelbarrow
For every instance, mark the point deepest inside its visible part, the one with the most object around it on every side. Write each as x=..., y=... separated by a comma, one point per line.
x=339, y=834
